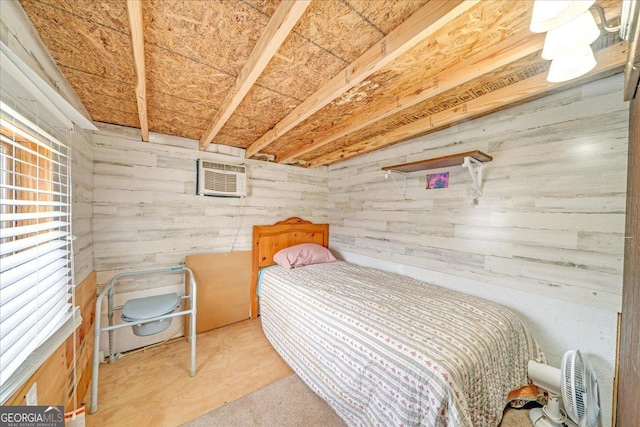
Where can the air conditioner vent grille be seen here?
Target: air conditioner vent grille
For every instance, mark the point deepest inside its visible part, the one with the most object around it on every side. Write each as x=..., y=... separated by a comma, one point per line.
x=221, y=179
x=223, y=167
x=217, y=181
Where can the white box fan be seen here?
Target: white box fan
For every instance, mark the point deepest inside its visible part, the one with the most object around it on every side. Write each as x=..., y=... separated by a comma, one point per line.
x=575, y=382
x=221, y=179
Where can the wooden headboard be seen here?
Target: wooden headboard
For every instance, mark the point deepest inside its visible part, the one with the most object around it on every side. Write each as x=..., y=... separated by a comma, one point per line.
x=269, y=239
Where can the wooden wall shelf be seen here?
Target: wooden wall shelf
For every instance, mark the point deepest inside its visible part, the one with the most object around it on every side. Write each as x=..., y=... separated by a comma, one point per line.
x=439, y=162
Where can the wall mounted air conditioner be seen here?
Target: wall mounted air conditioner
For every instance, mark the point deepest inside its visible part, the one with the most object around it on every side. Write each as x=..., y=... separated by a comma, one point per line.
x=221, y=179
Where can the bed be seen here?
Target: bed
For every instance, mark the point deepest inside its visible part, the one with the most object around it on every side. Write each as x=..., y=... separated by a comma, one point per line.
x=384, y=349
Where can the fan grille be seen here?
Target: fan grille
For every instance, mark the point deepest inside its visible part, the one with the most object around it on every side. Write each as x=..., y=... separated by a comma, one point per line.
x=222, y=182
x=580, y=389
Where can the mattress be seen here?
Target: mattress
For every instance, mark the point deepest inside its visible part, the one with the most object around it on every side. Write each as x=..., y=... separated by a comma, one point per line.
x=387, y=350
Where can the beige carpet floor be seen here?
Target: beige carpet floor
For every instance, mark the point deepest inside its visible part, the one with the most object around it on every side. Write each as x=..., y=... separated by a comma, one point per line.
x=290, y=403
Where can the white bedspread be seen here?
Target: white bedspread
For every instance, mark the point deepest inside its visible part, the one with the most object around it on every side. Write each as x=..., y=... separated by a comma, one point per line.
x=387, y=350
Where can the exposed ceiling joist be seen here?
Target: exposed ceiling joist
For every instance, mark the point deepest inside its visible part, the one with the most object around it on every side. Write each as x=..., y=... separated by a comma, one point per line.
x=134, y=10
x=424, y=22
x=501, y=54
x=436, y=55
x=280, y=25
x=609, y=60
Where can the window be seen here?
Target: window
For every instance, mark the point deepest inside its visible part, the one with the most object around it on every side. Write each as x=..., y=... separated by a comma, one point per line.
x=35, y=234
x=37, y=297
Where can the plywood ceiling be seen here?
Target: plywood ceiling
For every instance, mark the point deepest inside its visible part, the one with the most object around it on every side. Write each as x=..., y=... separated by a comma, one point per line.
x=302, y=82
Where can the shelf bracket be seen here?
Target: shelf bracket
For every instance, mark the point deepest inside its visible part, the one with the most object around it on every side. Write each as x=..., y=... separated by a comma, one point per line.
x=389, y=174
x=475, y=170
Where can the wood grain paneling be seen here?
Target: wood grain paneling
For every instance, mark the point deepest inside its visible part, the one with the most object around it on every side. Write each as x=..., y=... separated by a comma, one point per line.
x=146, y=213
x=548, y=231
x=628, y=410
x=551, y=217
x=82, y=209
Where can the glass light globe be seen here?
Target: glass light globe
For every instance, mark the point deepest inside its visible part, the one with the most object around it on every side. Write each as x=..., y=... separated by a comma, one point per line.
x=572, y=66
x=570, y=37
x=549, y=14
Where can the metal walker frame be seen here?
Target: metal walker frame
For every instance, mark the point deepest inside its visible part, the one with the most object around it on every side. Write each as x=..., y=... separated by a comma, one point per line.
x=191, y=312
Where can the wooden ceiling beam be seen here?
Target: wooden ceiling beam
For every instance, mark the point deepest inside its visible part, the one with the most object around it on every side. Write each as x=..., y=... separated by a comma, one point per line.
x=609, y=60
x=491, y=59
x=280, y=25
x=134, y=10
x=426, y=21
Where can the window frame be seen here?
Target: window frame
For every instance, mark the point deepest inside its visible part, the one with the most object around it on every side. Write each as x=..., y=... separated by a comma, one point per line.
x=36, y=178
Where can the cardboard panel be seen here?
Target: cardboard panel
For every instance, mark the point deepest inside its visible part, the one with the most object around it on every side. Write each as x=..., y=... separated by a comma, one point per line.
x=223, y=288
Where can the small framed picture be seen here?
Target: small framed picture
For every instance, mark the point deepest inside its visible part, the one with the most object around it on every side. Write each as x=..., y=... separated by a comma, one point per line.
x=437, y=180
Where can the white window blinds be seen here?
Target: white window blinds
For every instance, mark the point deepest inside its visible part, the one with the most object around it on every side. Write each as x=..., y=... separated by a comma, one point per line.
x=35, y=232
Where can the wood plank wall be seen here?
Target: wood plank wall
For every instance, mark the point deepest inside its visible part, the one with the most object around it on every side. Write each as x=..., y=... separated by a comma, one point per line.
x=629, y=374
x=146, y=213
x=550, y=221
x=546, y=238
x=82, y=209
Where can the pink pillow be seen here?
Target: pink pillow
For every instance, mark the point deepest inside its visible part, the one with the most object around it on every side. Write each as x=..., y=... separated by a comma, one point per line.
x=303, y=254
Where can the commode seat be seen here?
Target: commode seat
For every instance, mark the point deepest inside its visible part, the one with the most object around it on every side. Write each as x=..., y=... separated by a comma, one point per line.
x=146, y=316
x=149, y=307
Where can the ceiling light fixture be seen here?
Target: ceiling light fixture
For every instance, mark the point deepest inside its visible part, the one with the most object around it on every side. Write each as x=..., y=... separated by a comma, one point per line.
x=549, y=14
x=571, y=29
x=571, y=36
x=571, y=66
